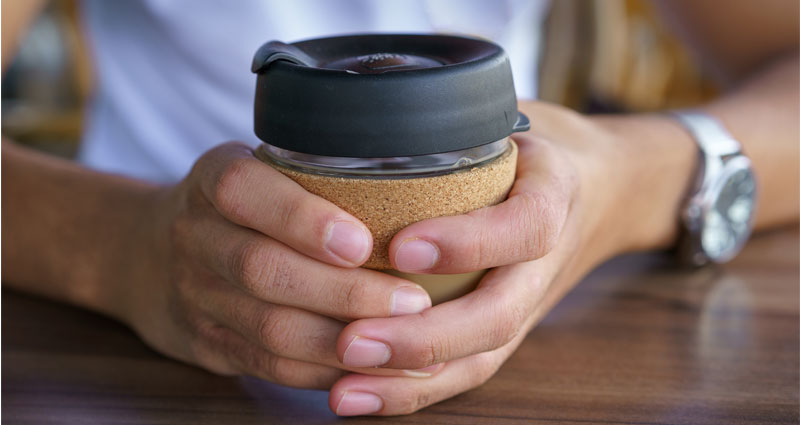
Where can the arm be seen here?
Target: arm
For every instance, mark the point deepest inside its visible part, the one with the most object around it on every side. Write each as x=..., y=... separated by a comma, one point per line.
x=761, y=113
x=213, y=270
x=752, y=49
x=63, y=224
x=587, y=189
x=44, y=220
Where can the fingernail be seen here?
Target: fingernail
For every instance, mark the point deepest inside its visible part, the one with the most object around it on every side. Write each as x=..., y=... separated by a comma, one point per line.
x=409, y=300
x=364, y=352
x=416, y=255
x=357, y=403
x=425, y=372
x=349, y=241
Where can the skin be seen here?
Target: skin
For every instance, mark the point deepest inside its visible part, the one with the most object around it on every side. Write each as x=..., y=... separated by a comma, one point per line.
x=237, y=277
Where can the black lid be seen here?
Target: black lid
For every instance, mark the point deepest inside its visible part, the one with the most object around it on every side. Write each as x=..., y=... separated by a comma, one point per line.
x=384, y=95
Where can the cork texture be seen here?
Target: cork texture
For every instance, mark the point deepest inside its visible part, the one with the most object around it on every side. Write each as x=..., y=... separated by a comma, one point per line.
x=386, y=206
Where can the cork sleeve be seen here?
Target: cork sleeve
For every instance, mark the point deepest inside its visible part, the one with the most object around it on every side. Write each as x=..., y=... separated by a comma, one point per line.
x=386, y=206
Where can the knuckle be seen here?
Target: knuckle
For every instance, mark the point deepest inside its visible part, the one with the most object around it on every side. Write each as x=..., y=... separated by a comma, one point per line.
x=288, y=206
x=275, y=331
x=351, y=300
x=477, y=255
x=277, y=273
x=481, y=254
x=537, y=223
x=319, y=222
x=415, y=401
x=552, y=218
x=260, y=267
x=433, y=353
x=433, y=350
x=301, y=213
x=507, y=325
x=248, y=264
x=226, y=188
x=204, y=331
x=422, y=399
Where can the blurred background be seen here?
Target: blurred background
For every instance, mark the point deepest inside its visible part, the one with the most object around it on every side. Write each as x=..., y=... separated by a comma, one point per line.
x=46, y=87
x=600, y=56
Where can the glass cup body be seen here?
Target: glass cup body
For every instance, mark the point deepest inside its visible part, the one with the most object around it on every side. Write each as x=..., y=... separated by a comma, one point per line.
x=393, y=167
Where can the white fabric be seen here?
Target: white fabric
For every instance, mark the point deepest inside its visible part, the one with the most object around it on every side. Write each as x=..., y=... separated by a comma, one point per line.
x=173, y=76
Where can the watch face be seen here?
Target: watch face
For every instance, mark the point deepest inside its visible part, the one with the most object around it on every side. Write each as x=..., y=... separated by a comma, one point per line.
x=728, y=221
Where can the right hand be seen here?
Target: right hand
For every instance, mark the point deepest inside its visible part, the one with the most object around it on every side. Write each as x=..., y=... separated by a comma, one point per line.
x=239, y=270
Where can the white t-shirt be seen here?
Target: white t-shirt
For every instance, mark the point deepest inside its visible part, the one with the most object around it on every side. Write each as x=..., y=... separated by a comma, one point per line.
x=173, y=76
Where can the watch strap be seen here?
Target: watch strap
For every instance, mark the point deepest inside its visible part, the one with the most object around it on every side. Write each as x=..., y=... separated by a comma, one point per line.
x=716, y=145
x=708, y=132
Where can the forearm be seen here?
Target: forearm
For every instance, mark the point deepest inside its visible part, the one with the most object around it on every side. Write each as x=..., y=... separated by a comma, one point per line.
x=763, y=114
x=65, y=228
x=656, y=159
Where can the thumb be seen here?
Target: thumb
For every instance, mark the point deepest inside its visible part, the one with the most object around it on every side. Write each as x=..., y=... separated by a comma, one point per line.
x=524, y=227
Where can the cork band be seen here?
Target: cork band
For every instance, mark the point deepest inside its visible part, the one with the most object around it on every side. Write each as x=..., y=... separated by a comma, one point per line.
x=386, y=206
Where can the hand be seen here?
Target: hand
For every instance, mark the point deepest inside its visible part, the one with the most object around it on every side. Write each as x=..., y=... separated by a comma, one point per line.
x=552, y=229
x=239, y=270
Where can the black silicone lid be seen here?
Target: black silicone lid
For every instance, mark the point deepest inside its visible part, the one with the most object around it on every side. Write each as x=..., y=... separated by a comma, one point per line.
x=384, y=95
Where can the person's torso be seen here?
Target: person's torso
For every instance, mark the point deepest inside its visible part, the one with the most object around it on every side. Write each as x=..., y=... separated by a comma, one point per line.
x=173, y=76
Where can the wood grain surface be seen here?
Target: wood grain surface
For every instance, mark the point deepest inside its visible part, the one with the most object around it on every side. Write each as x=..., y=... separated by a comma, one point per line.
x=637, y=342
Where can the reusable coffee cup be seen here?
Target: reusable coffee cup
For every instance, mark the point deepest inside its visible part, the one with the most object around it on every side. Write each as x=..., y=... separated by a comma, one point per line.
x=393, y=129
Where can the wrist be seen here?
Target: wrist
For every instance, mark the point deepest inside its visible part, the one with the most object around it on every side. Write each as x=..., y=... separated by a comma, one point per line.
x=122, y=259
x=135, y=262
x=653, y=162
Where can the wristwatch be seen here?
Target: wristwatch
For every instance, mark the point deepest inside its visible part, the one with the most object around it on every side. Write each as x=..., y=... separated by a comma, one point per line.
x=718, y=214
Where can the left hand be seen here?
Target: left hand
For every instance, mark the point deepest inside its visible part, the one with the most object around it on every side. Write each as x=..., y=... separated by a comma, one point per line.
x=549, y=232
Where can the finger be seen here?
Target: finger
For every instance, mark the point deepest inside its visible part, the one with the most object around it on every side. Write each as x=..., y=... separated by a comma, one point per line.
x=524, y=227
x=357, y=394
x=283, y=331
x=276, y=273
x=226, y=350
x=480, y=321
x=252, y=194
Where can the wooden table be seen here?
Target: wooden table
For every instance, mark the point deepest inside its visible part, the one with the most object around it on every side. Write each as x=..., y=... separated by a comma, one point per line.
x=636, y=342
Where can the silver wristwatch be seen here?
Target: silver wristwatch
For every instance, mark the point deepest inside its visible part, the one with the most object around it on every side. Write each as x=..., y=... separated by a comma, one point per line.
x=718, y=214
